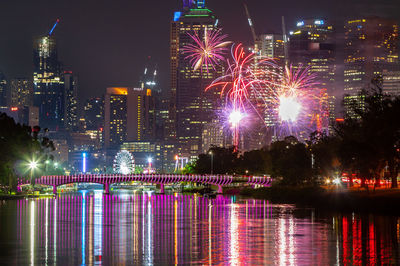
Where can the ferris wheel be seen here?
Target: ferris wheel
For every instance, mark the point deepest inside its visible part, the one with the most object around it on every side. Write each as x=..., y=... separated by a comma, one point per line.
x=124, y=163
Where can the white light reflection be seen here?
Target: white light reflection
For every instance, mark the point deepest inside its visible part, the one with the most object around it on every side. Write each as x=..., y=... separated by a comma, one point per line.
x=83, y=225
x=46, y=231
x=55, y=231
x=98, y=226
x=234, y=235
x=209, y=234
x=286, y=241
x=149, y=250
x=32, y=228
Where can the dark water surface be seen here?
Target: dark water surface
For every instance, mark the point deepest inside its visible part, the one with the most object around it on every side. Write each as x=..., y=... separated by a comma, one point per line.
x=141, y=228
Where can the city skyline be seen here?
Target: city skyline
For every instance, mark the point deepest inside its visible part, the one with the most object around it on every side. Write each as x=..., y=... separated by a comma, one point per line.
x=109, y=62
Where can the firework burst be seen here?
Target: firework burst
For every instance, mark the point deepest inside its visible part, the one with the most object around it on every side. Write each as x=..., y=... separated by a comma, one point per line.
x=208, y=50
x=241, y=81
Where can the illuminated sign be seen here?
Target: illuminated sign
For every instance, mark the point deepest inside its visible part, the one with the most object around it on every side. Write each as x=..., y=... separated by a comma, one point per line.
x=84, y=162
x=319, y=22
x=268, y=37
x=177, y=16
x=300, y=23
x=14, y=109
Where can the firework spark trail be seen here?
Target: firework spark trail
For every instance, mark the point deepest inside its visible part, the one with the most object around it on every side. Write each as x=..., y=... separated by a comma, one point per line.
x=241, y=80
x=208, y=51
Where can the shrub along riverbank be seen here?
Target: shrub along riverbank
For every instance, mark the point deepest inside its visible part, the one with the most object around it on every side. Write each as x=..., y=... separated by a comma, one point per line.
x=378, y=201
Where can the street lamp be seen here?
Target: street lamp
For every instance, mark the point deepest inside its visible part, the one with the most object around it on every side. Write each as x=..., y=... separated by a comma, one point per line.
x=212, y=161
x=32, y=166
x=149, y=160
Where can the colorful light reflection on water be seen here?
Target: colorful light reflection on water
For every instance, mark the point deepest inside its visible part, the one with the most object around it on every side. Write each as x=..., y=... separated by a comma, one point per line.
x=136, y=228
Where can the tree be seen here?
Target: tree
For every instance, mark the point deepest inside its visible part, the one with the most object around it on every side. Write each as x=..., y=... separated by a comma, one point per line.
x=224, y=160
x=323, y=150
x=291, y=161
x=369, y=141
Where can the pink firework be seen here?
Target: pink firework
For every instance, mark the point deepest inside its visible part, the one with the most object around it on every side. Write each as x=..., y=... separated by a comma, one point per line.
x=299, y=102
x=208, y=50
x=243, y=79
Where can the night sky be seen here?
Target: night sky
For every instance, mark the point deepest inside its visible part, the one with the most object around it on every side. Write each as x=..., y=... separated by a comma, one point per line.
x=107, y=42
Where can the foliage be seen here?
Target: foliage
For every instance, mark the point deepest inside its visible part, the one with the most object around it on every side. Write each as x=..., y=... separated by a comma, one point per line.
x=19, y=145
x=368, y=143
x=291, y=161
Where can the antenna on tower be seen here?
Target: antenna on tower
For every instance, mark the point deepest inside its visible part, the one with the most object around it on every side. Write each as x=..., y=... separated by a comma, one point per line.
x=55, y=25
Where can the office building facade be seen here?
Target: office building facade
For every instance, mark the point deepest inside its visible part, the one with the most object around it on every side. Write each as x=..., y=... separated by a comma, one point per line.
x=371, y=48
x=48, y=83
x=127, y=116
x=190, y=106
x=71, y=101
x=21, y=92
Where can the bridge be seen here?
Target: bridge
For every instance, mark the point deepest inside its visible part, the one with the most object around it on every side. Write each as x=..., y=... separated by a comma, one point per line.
x=161, y=179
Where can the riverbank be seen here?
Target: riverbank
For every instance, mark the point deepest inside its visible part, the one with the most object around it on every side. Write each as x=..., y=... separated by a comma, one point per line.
x=344, y=200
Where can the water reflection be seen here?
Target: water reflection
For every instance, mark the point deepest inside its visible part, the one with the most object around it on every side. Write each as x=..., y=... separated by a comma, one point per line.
x=136, y=228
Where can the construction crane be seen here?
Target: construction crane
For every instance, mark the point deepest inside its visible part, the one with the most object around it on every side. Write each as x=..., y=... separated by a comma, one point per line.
x=253, y=31
x=55, y=25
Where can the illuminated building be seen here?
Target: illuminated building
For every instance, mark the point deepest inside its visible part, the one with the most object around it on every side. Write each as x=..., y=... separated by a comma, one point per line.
x=212, y=135
x=371, y=47
x=269, y=46
x=94, y=113
x=391, y=82
x=21, y=92
x=272, y=46
x=127, y=115
x=190, y=107
x=3, y=90
x=312, y=44
x=141, y=151
x=61, y=150
x=48, y=83
x=71, y=101
x=149, y=80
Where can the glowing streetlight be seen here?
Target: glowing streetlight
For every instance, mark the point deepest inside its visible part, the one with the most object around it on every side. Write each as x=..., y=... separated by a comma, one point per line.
x=149, y=160
x=32, y=166
x=212, y=161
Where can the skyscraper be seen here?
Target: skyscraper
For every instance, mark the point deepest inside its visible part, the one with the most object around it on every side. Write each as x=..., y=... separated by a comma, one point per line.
x=126, y=116
x=371, y=47
x=71, y=100
x=3, y=90
x=21, y=91
x=48, y=83
x=190, y=106
x=391, y=82
x=94, y=113
x=312, y=44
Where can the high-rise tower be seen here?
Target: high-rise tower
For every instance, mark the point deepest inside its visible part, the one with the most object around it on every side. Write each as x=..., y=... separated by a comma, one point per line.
x=48, y=82
x=312, y=45
x=71, y=100
x=371, y=48
x=190, y=106
x=21, y=92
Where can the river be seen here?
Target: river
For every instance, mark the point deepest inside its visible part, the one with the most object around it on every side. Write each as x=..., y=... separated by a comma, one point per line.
x=147, y=228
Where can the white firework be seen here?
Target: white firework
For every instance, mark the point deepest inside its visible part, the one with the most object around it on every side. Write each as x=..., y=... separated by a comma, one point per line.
x=124, y=163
